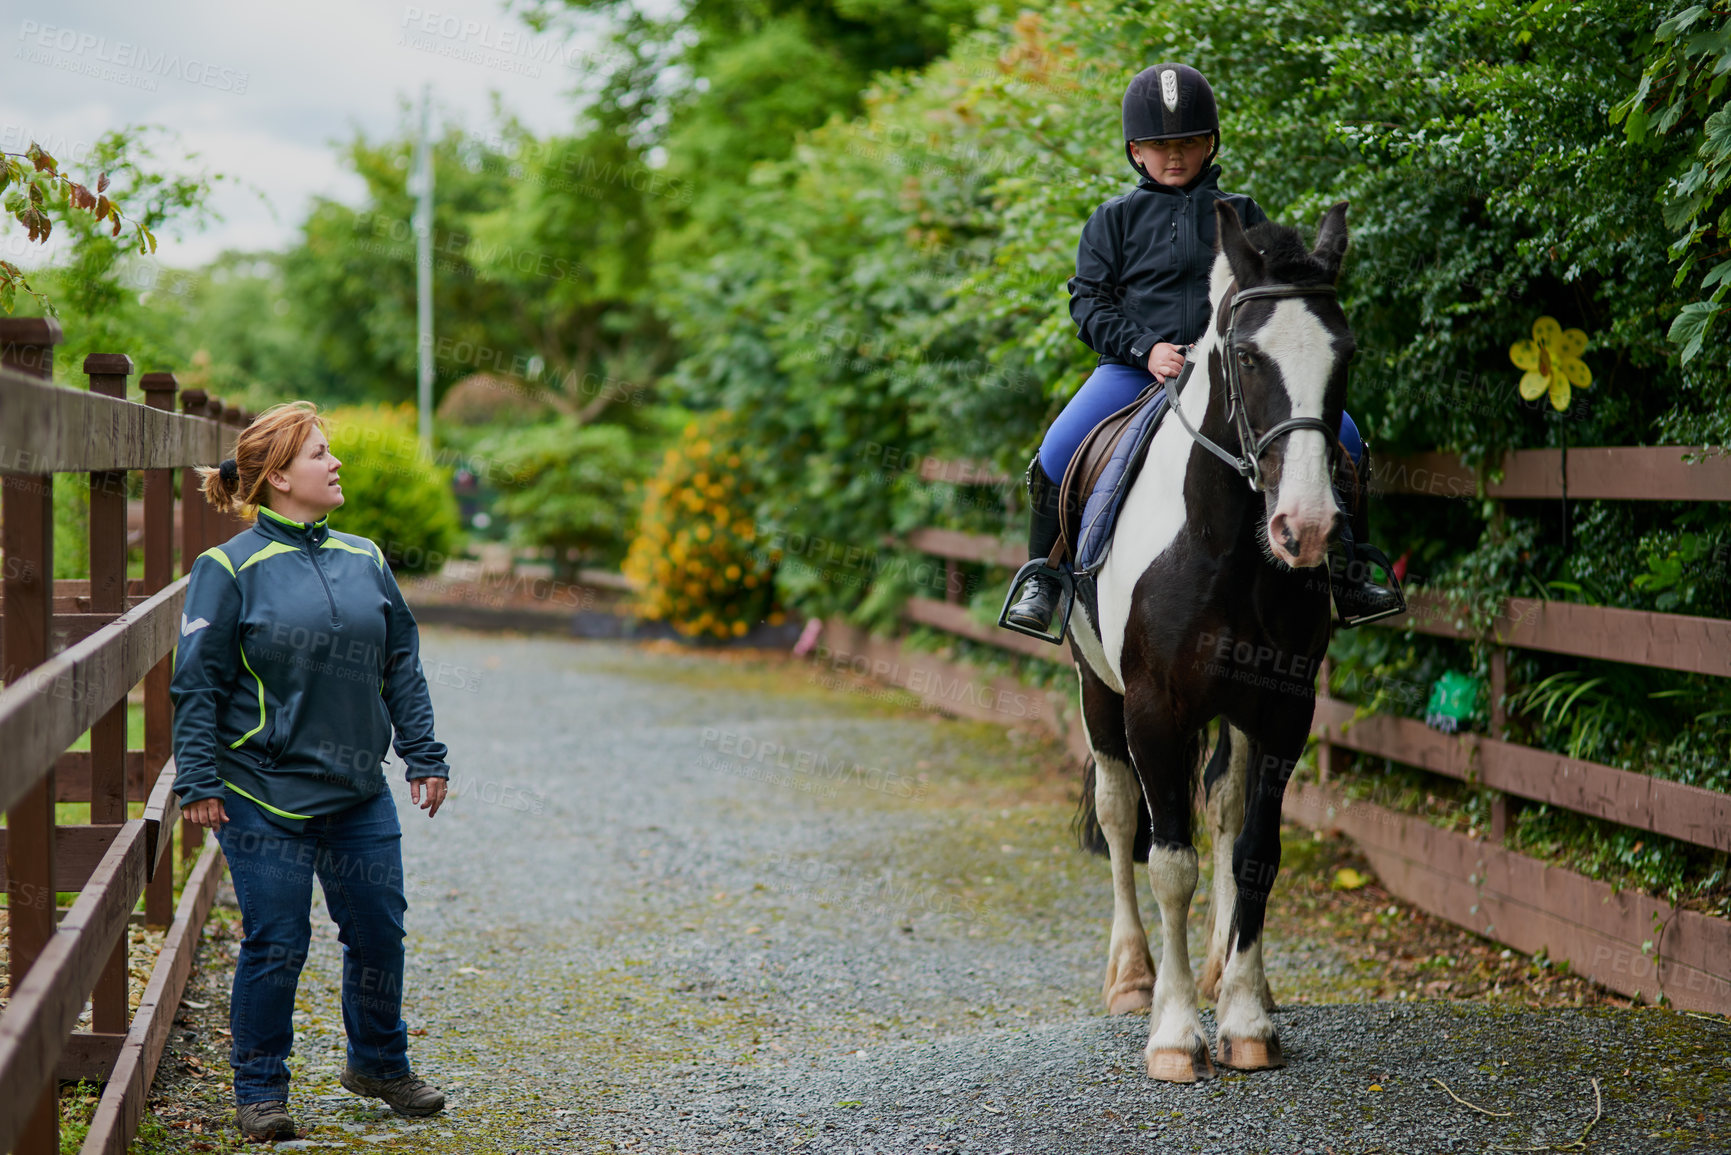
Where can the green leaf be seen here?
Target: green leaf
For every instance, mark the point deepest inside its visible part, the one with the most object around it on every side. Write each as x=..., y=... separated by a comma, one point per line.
x=1636, y=128
x=1679, y=23
x=1689, y=330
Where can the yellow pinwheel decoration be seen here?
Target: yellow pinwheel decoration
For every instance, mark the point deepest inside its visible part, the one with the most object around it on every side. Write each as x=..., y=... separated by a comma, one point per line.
x=1552, y=360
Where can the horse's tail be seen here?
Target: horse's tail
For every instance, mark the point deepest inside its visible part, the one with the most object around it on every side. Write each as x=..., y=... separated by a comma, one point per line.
x=1222, y=760
x=1086, y=824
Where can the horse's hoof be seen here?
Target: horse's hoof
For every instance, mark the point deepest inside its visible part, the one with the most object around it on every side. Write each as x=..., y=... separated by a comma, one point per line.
x=1131, y=990
x=1173, y=1066
x=1251, y=1054
x=1130, y=1002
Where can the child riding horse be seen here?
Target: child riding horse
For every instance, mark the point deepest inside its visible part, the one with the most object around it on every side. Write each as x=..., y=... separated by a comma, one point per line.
x=1140, y=296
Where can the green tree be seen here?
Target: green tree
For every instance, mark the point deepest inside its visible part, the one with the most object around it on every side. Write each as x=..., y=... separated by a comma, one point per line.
x=100, y=288
x=352, y=281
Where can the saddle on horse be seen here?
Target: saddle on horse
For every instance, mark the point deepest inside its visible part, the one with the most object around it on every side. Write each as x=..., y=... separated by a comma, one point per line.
x=1089, y=497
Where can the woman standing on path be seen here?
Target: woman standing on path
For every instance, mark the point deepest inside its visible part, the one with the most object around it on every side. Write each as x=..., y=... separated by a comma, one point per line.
x=297, y=657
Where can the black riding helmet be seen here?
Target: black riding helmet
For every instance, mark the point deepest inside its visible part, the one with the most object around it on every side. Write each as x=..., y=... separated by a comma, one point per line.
x=1169, y=102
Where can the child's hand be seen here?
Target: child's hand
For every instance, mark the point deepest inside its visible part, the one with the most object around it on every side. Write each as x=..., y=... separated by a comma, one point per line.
x=1165, y=361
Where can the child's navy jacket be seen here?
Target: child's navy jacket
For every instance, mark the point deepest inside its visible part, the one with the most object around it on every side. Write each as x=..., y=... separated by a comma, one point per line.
x=297, y=656
x=1143, y=265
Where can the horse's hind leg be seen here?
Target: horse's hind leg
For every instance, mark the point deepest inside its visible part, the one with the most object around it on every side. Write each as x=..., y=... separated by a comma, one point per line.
x=1117, y=799
x=1177, y=1050
x=1248, y=1039
x=1224, y=784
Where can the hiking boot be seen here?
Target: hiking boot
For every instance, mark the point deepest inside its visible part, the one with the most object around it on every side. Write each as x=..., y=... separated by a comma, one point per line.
x=1359, y=599
x=265, y=1122
x=1039, y=600
x=405, y=1094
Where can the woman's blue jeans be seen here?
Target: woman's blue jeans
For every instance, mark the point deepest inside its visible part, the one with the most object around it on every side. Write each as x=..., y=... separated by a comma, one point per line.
x=357, y=856
x=1108, y=389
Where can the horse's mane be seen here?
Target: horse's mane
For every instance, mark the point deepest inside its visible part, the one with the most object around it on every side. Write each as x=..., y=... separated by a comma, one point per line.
x=1289, y=260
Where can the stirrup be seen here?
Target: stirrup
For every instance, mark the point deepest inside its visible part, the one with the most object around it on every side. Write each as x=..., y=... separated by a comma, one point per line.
x=1375, y=557
x=1067, y=602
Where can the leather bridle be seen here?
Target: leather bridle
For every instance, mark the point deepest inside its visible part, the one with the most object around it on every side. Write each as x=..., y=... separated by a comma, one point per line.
x=1247, y=462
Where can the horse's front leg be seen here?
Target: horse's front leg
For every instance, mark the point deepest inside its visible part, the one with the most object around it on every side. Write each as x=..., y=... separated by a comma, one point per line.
x=1225, y=784
x=1129, y=983
x=1177, y=1049
x=1248, y=1038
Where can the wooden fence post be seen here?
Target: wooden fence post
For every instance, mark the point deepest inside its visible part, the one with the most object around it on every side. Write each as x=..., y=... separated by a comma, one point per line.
x=108, y=372
x=159, y=893
x=27, y=509
x=238, y=420
x=159, y=390
x=192, y=502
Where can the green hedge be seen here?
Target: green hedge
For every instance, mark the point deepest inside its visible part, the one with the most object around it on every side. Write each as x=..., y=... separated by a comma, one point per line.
x=393, y=492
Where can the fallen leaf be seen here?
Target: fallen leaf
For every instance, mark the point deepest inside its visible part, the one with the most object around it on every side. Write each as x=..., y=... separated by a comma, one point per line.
x=1346, y=878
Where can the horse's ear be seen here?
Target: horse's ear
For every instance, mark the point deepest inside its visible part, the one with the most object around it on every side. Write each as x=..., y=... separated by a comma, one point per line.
x=1331, y=240
x=1244, y=258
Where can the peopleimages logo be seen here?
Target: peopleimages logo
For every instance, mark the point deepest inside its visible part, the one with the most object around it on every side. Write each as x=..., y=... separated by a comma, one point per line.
x=508, y=47
x=139, y=65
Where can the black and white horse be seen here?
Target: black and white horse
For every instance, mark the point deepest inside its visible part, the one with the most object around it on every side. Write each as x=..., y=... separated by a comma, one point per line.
x=1214, y=603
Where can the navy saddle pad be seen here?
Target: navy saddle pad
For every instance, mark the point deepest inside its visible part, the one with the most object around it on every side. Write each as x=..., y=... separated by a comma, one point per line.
x=1100, y=512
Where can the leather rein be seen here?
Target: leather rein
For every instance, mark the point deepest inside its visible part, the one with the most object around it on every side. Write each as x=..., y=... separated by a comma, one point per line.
x=1247, y=462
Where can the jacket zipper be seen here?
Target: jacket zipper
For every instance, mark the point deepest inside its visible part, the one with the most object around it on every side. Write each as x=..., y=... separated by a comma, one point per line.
x=1184, y=264
x=330, y=598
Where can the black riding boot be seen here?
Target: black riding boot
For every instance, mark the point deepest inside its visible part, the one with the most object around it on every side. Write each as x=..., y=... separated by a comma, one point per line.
x=1356, y=596
x=1040, y=593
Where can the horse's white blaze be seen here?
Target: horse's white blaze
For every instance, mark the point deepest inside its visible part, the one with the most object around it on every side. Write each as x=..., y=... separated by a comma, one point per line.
x=1175, y=1023
x=1299, y=344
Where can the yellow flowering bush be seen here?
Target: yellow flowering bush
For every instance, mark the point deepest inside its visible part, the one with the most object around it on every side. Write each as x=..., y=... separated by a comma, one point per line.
x=695, y=560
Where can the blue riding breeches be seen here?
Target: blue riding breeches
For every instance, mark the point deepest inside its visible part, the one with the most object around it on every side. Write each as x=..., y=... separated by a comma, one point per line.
x=1108, y=389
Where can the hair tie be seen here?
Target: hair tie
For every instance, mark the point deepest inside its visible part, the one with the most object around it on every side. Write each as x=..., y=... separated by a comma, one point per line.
x=229, y=471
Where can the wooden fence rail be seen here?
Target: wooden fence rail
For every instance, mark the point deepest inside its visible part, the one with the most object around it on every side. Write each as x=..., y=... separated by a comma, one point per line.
x=1475, y=881
x=71, y=652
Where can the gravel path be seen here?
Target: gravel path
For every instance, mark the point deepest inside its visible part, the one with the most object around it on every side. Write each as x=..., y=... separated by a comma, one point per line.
x=689, y=903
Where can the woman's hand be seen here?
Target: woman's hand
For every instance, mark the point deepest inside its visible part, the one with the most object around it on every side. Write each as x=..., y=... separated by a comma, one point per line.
x=1165, y=361
x=435, y=788
x=205, y=812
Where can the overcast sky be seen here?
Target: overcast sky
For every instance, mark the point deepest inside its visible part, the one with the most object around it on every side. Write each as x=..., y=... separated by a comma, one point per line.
x=264, y=89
